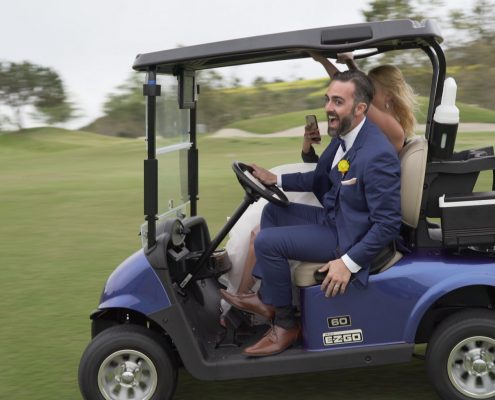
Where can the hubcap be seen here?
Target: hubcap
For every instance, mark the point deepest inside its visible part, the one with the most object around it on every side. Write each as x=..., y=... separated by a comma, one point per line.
x=471, y=367
x=127, y=374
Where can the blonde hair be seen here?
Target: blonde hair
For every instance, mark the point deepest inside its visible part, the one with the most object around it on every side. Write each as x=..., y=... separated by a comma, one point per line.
x=403, y=102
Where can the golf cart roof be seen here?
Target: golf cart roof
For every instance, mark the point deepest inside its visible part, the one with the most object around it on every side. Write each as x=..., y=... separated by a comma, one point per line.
x=379, y=36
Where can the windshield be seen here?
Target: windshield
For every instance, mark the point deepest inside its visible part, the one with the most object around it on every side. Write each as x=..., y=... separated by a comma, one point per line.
x=172, y=145
x=172, y=141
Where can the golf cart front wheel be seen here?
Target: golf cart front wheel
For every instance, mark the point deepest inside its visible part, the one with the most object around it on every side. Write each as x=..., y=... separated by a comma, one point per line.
x=460, y=359
x=127, y=362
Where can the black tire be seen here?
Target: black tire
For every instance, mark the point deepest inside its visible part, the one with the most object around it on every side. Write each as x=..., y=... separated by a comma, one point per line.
x=460, y=356
x=151, y=368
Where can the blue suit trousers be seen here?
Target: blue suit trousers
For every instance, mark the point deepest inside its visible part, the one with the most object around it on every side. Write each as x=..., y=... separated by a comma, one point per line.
x=297, y=232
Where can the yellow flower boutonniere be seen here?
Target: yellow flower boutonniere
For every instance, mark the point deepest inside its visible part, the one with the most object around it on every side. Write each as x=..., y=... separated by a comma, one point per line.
x=343, y=166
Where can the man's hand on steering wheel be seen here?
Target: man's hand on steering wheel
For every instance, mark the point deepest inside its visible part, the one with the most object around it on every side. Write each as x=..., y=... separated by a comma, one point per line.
x=259, y=182
x=264, y=175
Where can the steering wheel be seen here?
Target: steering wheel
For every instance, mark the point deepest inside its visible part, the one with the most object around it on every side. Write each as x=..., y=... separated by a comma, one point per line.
x=255, y=188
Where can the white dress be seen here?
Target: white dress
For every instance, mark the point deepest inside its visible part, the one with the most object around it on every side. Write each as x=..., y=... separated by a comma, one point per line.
x=238, y=244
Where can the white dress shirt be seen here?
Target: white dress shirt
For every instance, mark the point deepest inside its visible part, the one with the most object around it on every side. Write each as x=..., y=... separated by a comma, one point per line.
x=349, y=141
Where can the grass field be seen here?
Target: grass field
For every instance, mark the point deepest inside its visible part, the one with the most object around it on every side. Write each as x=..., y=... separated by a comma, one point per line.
x=71, y=207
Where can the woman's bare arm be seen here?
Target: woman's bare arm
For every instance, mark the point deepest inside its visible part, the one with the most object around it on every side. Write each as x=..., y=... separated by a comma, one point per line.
x=347, y=59
x=342, y=58
x=329, y=67
x=389, y=125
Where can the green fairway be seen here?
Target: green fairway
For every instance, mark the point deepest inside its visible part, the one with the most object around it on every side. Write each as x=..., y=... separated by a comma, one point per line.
x=71, y=207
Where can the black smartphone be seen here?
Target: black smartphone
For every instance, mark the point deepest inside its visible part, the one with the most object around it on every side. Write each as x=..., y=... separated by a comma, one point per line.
x=312, y=125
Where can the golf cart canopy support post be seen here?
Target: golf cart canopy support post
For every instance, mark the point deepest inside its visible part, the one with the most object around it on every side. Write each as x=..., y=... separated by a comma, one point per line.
x=151, y=90
x=193, y=166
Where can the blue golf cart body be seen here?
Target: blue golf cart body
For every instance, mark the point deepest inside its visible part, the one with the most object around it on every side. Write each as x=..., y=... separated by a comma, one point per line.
x=161, y=307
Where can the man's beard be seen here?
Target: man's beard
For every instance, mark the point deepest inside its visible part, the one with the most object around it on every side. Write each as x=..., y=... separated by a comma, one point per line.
x=344, y=127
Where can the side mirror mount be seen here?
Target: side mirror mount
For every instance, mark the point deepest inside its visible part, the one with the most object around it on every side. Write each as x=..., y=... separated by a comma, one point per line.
x=187, y=89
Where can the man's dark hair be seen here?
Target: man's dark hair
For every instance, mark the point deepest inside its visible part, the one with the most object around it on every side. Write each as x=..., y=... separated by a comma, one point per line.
x=364, y=86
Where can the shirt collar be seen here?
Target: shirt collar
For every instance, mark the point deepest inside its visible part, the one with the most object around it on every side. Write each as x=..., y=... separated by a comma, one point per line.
x=352, y=135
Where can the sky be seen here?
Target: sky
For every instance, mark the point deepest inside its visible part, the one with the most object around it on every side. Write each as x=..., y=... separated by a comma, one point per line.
x=92, y=43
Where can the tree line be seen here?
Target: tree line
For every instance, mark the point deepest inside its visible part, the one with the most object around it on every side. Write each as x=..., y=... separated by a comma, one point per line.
x=29, y=90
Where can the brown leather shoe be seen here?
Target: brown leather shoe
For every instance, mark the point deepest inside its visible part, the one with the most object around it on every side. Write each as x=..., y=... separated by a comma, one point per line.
x=250, y=303
x=276, y=340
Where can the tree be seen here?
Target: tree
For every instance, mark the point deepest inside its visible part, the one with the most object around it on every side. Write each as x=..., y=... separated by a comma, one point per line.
x=478, y=22
x=469, y=34
x=125, y=110
x=211, y=79
x=26, y=87
x=418, y=10
x=384, y=9
x=472, y=59
x=128, y=99
x=402, y=9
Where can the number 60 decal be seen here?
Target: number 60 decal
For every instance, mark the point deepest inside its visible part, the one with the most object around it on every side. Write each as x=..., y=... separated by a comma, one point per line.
x=337, y=322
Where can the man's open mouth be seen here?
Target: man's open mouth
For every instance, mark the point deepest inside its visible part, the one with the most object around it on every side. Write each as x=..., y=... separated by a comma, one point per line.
x=332, y=120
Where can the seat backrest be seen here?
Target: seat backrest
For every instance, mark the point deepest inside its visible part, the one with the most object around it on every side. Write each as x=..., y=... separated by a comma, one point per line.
x=413, y=166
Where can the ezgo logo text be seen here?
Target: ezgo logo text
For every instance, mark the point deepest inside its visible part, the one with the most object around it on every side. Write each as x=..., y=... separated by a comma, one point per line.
x=344, y=337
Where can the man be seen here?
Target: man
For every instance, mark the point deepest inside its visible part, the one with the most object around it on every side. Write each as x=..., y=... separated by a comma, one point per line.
x=357, y=180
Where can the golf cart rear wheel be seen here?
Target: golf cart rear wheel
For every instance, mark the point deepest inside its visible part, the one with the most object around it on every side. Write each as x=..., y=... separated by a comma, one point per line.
x=460, y=359
x=127, y=362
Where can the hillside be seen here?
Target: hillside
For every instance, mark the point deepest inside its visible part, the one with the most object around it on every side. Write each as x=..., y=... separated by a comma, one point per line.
x=280, y=122
x=49, y=139
x=119, y=127
x=261, y=108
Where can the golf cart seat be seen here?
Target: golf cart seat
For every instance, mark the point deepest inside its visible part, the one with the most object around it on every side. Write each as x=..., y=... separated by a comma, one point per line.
x=413, y=158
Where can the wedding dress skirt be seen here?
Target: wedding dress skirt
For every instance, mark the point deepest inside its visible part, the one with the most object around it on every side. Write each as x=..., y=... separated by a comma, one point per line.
x=238, y=244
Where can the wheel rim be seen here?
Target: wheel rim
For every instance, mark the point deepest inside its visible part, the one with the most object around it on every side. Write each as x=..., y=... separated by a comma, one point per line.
x=127, y=374
x=471, y=367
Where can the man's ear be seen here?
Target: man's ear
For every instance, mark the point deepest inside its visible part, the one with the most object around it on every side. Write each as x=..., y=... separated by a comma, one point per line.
x=360, y=109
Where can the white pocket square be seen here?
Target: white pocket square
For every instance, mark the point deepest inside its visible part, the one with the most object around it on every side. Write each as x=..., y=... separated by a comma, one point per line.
x=349, y=182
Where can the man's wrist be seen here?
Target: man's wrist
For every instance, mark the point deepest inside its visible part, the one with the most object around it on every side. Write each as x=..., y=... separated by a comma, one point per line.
x=350, y=264
x=308, y=150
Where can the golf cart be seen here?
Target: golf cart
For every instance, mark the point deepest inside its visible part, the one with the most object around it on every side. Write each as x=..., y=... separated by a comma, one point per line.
x=160, y=308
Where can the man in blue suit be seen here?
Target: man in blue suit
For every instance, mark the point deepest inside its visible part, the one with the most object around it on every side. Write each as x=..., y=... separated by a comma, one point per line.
x=357, y=180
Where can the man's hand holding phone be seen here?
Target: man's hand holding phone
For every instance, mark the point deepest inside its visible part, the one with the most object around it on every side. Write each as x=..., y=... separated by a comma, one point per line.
x=311, y=133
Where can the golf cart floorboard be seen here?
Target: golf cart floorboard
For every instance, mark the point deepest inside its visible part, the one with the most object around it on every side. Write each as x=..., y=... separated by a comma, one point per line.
x=228, y=362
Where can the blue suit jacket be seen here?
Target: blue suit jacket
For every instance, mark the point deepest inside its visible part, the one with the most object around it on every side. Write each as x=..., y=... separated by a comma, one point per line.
x=366, y=213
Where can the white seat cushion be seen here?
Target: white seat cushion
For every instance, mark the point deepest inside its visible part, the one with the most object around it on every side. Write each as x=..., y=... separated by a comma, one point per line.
x=304, y=272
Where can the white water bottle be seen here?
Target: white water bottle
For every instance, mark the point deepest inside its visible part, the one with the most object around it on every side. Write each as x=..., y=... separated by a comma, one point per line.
x=445, y=122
